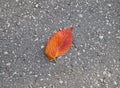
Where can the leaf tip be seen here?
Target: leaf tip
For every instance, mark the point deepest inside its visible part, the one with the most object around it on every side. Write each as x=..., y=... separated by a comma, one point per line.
x=71, y=28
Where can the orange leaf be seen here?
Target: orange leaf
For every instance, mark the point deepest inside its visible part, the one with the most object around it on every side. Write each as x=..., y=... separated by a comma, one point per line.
x=59, y=44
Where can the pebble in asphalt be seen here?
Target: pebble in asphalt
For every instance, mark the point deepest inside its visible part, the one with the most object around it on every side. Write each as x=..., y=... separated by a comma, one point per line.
x=27, y=25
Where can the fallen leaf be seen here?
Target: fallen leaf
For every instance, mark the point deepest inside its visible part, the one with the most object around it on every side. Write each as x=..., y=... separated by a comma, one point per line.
x=59, y=44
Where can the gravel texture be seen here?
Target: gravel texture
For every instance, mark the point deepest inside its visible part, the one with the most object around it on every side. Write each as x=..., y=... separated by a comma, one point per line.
x=27, y=25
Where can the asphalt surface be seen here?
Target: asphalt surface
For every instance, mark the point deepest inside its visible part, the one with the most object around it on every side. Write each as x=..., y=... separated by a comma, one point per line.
x=27, y=25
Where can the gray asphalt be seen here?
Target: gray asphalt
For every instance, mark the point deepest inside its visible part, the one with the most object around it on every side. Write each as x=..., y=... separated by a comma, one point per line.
x=27, y=25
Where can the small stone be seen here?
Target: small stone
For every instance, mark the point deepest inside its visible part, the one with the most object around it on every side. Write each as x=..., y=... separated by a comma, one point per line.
x=42, y=46
x=13, y=52
x=1, y=29
x=109, y=74
x=101, y=37
x=49, y=74
x=91, y=86
x=33, y=17
x=118, y=37
x=75, y=49
x=17, y=0
x=41, y=79
x=83, y=87
x=8, y=64
x=54, y=31
x=36, y=75
x=101, y=80
x=5, y=52
x=60, y=81
x=115, y=82
x=14, y=73
x=104, y=73
x=80, y=15
x=3, y=61
x=30, y=72
x=24, y=73
x=25, y=68
x=8, y=24
x=3, y=73
x=83, y=50
x=78, y=53
x=36, y=5
x=97, y=1
x=47, y=78
x=98, y=75
x=66, y=57
x=44, y=86
x=76, y=62
x=109, y=5
x=109, y=32
x=45, y=29
x=36, y=39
